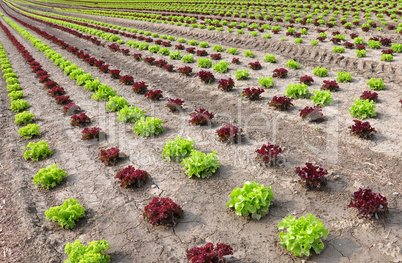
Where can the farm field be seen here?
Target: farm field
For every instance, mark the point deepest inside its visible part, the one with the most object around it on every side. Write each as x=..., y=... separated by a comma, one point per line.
x=298, y=102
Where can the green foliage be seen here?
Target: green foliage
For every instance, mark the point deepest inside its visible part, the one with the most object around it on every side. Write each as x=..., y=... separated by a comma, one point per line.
x=116, y=103
x=143, y=46
x=320, y=72
x=203, y=44
x=363, y=109
x=148, y=126
x=92, y=85
x=270, y=58
x=23, y=117
x=12, y=81
x=37, y=150
x=374, y=44
x=181, y=40
x=376, y=84
x=130, y=114
x=314, y=42
x=253, y=199
x=29, y=131
x=192, y=42
x=177, y=149
x=82, y=79
x=298, y=40
x=295, y=91
x=217, y=48
x=78, y=253
x=266, y=82
x=15, y=95
x=66, y=214
x=104, y=93
x=164, y=51
x=204, y=63
x=248, y=54
x=13, y=87
x=302, y=234
x=242, y=74
x=221, y=67
x=266, y=36
x=253, y=34
x=232, y=51
x=188, y=58
x=361, y=53
x=49, y=177
x=154, y=48
x=19, y=105
x=344, y=77
x=292, y=64
x=397, y=48
x=240, y=31
x=387, y=57
x=321, y=97
x=338, y=49
x=358, y=40
x=200, y=164
x=176, y=55
x=171, y=38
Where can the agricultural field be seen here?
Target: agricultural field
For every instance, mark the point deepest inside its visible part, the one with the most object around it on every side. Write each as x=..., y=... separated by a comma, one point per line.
x=201, y=131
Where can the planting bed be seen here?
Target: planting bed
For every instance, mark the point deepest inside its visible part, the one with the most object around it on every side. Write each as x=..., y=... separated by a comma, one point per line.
x=313, y=165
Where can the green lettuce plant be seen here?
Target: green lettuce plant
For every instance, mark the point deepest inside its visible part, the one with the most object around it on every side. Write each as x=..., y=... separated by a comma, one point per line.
x=217, y=48
x=292, y=64
x=200, y=164
x=37, y=150
x=363, y=109
x=104, y=93
x=232, y=51
x=187, y=58
x=19, y=105
x=148, y=126
x=78, y=253
x=67, y=214
x=204, y=63
x=23, y=117
x=49, y=177
x=242, y=74
x=266, y=82
x=175, y=55
x=15, y=95
x=321, y=97
x=376, y=84
x=221, y=67
x=344, y=77
x=116, y=103
x=29, y=131
x=361, y=53
x=178, y=149
x=203, y=44
x=296, y=91
x=248, y=54
x=270, y=58
x=130, y=114
x=320, y=72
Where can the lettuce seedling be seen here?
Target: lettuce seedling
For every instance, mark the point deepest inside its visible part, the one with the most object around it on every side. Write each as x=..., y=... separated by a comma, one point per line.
x=344, y=77
x=280, y=73
x=368, y=95
x=232, y=51
x=361, y=129
x=230, y=133
x=242, y=74
x=252, y=93
x=67, y=214
x=116, y=103
x=221, y=67
x=49, y=177
x=140, y=87
x=185, y=70
x=215, y=56
x=248, y=54
x=252, y=200
x=363, y=109
x=23, y=117
x=296, y=91
x=292, y=64
x=109, y=156
x=130, y=114
x=206, y=76
x=154, y=95
x=29, y=131
x=267, y=155
x=312, y=176
x=376, y=84
x=320, y=72
x=187, y=58
x=209, y=253
x=19, y=105
x=200, y=164
x=312, y=113
x=321, y=97
x=162, y=211
x=204, y=63
x=266, y=82
x=39, y=150
x=174, y=104
x=255, y=65
x=200, y=117
x=178, y=149
x=330, y=85
x=148, y=126
x=130, y=176
x=281, y=103
x=302, y=234
x=270, y=58
x=80, y=253
x=369, y=203
x=90, y=133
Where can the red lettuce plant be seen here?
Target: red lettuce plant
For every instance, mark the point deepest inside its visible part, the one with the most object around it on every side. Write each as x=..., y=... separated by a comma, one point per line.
x=130, y=176
x=99, y=63
x=149, y=60
x=41, y=73
x=140, y=87
x=114, y=73
x=267, y=155
x=62, y=99
x=113, y=47
x=126, y=80
x=335, y=40
x=109, y=156
x=90, y=61
x=362, y=129
x=206, y=76
x=125, y=52
x=280, y=73
x=348, y=45
x=80, y=119
x=336, y=33
x=374, y=38
x=154, y=95
x=43, y=78
x=306, y=80
x=166, y=44
x=360, y=47
x=312, y=176
x=174, y=104
x=179, y=47
x=138, y=56
x=321, y=39
x=281, y=103
x=71, y=107
x=368, y=202
x=200, y=117
x=209, y=253
x=160, y=63
x=56, y=91
x=50, y=84
x=354, y=35
x=162, y=211
x=158, y=41
x=255, y=65
x=216, y=56
x=190, y=50
x=230, y=133
x=252, y=93
x=104, y=68
x=168, y=67
x=387, y=51
x=369, y=95
x=202, y=53
x=331, y=85
x=226, y=84
x=236, y=61
x=312, y=113
x=90, y=133
x=391, y=27
x=185, y=70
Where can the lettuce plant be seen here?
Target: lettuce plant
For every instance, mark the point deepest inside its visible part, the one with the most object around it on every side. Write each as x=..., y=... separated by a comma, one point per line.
x=116, y=103
x=312, y=175
x=174, y=104
x=216, y=56
x=178, y=149
x=226, y=84
x=280, y=73
x=109, y=156
x=369, y=203
x=204, y=63
x=126, y=80
x=148, y=126
x=39, y=150
x=363, y=109
x=252, y=93
x=312, y=113
x=376, y=84
x=267, y=155
x=281, y=103
x=221, y=67
x=338, y=49
x=130, y=176
x=292, y=64
x=248, y=54
x=321, y=97
x=252, y=200
x=368, y=95
x=230, y=133
x=62, y=99
x=320, y=72
x=70, y=108
x=200, y=117
x=236, y=61
x=104, y=93
x=67, y=214
x=302, y=234
x=232, y=51
x=295, y=91
x=56, y=91
x=200, y=164
x=217, y=48
x=29, y=131
x=185, y=70
x=397, y=48
x=206, y=76
x=187, y=58
x=162, y=211
x=242, y=74
x=266, y=82
x=192, y=42
x=23, y=117
x=140, y=87
x=175, y=55
x=362, y=129
x=90, y=133
x=49, y=177
x=80, y=119
x=15, y=95
x=330, y=85
x=374, y=44
x=19, y=105
x=387, y=57
x=344, y=77
x=270, y=58
x=209, y=253
x=130, y=114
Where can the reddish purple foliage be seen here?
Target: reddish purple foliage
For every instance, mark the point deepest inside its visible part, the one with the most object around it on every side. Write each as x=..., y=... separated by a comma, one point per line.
x=312, y=176
x=391, y=27
x=280, y=73
x=369, y=95
x=281, y=103
x=374, y=38
x=185, y=70
x=126, y=80
x=180, y=47
x=236, y=61
x=168, y=67
x=162, y=211
x=331, y=85
x=354, y=35
x=41, y=73
x=321, y=39
x=71, y=107
x=125, y=52
x=202, y=53
x=200, y=117
x=50, y=84
x=255, y=65
x=368, y=202
x=104, y=68
x=216, y=56
x=190, y=50
x=62, y=99
x=360, y=47
x=229, y=133
x=160, y=63
x=154, y=95
x=365, y=28
x=306, y=80
x=252, y=93
x=43, y=78
x=149, y=60
x=56, y=91
x=114, y=73
x=313, y=113
x=79, y=119
x=335, y=40
x=137, y=56
x=113, y=47
x=130, y=176
x=90, y=133
x=158, y=41
x=99, y=63
x=336, y=33
x=166, y=44
x=267, y=155
x=385, y=41
x=206, y=76
x=226, y=84
x=109, y=156
x=140, y=87
x=348, y=45
x=174, y=104
x=388, y=51
x=209, y=254
x=90, y=61
x=362, y=129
